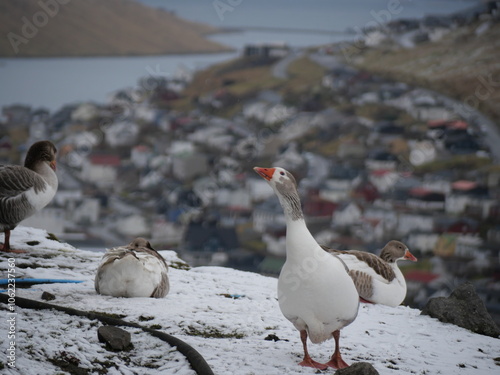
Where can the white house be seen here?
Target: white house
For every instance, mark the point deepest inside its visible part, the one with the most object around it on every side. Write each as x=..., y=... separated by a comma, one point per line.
x=140, y=156
x=165, y=232
x=373, y=165
x=424, y=242
x=383, y=179
x=422, y=152
x=346, y=215
x=457, y=204
x=409, y=223
x=189, y=166
x=275, y=246
x=87, y=212
x=268, y=215
x=100, y=170
x=122, y=133
x=238, y=198
x=259, y=189
x=133, y=226
x=85, y=112
x=370, y=229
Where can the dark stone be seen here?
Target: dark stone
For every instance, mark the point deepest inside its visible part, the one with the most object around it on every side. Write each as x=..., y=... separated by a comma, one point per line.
x=272, y=337
x=116, y=338
x=46, y=296
x=359, y=368
x=465, y=309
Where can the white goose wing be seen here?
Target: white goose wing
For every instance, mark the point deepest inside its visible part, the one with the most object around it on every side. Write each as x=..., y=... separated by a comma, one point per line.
x=18, y=189
x=365, y=262
x=157, y=268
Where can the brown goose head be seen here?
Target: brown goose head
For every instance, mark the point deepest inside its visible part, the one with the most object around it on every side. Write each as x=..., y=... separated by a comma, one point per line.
x=285, y=187
x=395, y=250
x=41, y=152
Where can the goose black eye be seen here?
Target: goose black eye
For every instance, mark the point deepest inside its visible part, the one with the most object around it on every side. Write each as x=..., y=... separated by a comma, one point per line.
x=282, y=173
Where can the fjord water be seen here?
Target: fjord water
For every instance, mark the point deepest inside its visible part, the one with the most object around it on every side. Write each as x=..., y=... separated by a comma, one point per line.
x=53, y=82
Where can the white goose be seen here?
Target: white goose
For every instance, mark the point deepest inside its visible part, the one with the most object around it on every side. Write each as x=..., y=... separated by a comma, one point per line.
x=378, y=279
x=315, y=291
x=25, y=190
x=135, y=270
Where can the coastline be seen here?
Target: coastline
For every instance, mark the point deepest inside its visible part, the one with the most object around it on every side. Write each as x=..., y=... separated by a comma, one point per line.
x=131, y=55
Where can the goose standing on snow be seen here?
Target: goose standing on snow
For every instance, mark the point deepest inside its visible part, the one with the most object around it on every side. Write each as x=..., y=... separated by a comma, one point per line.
x=135, y=270
x=315, y=292
x=25, y=190
x=378, y=279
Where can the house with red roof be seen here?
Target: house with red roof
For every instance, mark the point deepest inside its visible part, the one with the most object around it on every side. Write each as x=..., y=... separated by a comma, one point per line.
x=101, y=170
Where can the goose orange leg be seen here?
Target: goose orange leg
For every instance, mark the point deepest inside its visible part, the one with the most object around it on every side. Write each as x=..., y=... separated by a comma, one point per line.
x=308, y=361
x=6, y=244
x=336, y=361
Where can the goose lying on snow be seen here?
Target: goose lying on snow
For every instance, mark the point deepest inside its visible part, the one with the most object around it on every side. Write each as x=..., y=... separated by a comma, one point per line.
x=315, y=292
x=25, y=190
x=135, y=270
x=378, y=279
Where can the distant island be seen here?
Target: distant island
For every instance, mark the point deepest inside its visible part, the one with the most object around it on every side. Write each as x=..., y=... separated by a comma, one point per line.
x=64, y=28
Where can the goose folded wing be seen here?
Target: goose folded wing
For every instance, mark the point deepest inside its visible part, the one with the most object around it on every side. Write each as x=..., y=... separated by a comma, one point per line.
x=366, y=263
x=16, y=180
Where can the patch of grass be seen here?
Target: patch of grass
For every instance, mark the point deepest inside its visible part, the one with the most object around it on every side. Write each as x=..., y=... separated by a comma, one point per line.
x=53, y=237
x=143, y=318
x=151, y=365
x=180, y=266
x=460, y=162
x=43, y=255
x=156, y=326
x=423, y=264
x=303, y=74
x=212, y=332
x=452, y=65
x=255, y=245
x=101, y=367
x=382, y=112
x=245, y=79
x=68, y=363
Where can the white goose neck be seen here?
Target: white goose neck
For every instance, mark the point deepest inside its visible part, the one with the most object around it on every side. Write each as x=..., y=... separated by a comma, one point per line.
x=290, y=202
x=48, y=174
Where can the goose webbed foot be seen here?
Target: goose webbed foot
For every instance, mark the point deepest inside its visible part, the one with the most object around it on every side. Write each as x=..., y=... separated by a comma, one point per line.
x=308, y=361
x=336, y=361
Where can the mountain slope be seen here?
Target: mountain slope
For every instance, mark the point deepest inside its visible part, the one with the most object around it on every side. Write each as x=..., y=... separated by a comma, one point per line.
x=231, y=317
x=463, y=64
x=96, y=28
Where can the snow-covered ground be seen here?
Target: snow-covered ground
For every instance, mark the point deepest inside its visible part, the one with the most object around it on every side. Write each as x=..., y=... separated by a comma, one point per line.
x=223, y=313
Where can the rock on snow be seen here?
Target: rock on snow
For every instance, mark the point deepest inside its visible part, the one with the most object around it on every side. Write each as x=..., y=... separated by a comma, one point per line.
x=223, y=313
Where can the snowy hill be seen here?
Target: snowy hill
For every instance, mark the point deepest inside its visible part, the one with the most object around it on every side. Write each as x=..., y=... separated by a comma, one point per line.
x=223, y=313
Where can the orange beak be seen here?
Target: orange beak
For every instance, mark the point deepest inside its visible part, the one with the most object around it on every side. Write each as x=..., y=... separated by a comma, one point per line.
x=53, y=164
x=409, y=256
x=265, y=173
